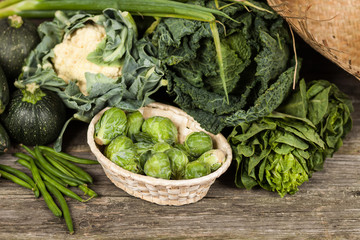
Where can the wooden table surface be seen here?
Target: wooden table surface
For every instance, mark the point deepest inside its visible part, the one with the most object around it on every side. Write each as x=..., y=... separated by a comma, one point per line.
x=326, y=207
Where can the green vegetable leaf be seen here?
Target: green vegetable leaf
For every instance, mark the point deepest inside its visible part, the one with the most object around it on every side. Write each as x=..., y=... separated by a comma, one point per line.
x=97, y=56
x=256, y=159
x=254, y=129
x=297, y=104
x=318, y=105
x=271, y=60
x=255, y=56
x=290, y=140
x=328, y=109
x=266, y=103
x=284, y=174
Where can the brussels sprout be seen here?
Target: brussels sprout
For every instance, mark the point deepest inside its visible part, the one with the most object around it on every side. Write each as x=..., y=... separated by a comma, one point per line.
x=158, y=166
x=178, y=162
x=196, y=169
x=111, y=124
x=161, y=147
x=142, y=147
x=122, y=152
x=182, y=148
x=134, y=123
x=196, y=143
x=144, y=157
x=161, y=129
x=143, y=137
x=214, y=158
x=133, y=167
x=127, y=159
x=119, y=143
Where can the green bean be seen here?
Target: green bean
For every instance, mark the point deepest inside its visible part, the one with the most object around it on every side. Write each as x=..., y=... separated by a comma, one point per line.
x=17, y=173
x=15, y=179
x=68, y=156
x=47, y=197
x=66, y=212
x=61, y=188
x=59, y=166
x=77, y=171
x=56, y=179
x=22, y=176
x=22, y=156
x=24, y=163
x=32, y=153
x=52, y=169
x=27, y=158
x=91, y=193
x=63, y=168
x=71, y=183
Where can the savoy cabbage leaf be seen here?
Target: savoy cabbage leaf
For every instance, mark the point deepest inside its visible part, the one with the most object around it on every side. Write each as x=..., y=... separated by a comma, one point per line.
x=259, y=68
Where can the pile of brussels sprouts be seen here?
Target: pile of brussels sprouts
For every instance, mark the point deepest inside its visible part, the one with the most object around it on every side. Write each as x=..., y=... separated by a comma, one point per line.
x=150, y=146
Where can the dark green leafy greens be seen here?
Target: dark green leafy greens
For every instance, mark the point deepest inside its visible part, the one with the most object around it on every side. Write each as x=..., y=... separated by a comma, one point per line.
x=281, y=151
x=255, y=51
x=326, y=107
x=275, y=153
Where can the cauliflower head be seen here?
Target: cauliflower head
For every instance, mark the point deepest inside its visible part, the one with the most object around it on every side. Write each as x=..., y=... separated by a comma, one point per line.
x=70, y=56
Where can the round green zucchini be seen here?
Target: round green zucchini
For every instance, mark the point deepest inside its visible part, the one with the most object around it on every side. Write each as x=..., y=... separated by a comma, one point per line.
x=34, y=117
x=4, y=140
x=18, y=37
x=4, y=91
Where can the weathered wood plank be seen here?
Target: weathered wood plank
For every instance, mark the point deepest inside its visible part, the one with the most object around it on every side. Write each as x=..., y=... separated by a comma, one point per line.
x=324, y=208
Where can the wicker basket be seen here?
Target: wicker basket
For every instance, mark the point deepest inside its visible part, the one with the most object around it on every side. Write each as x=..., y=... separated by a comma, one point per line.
x=160, y=191
x=330, y=26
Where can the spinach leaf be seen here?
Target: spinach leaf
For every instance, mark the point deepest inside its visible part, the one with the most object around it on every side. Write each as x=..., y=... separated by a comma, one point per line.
x=327, y=108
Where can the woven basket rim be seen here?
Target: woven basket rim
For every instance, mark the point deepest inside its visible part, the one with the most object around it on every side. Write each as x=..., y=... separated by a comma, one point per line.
x=105, y=162
x=329, y=27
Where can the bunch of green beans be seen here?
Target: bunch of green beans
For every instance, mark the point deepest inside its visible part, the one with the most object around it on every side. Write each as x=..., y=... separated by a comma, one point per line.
x=53, y=173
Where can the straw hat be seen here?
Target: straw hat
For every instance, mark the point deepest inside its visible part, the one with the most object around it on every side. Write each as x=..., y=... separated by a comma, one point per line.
x=331, y=27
